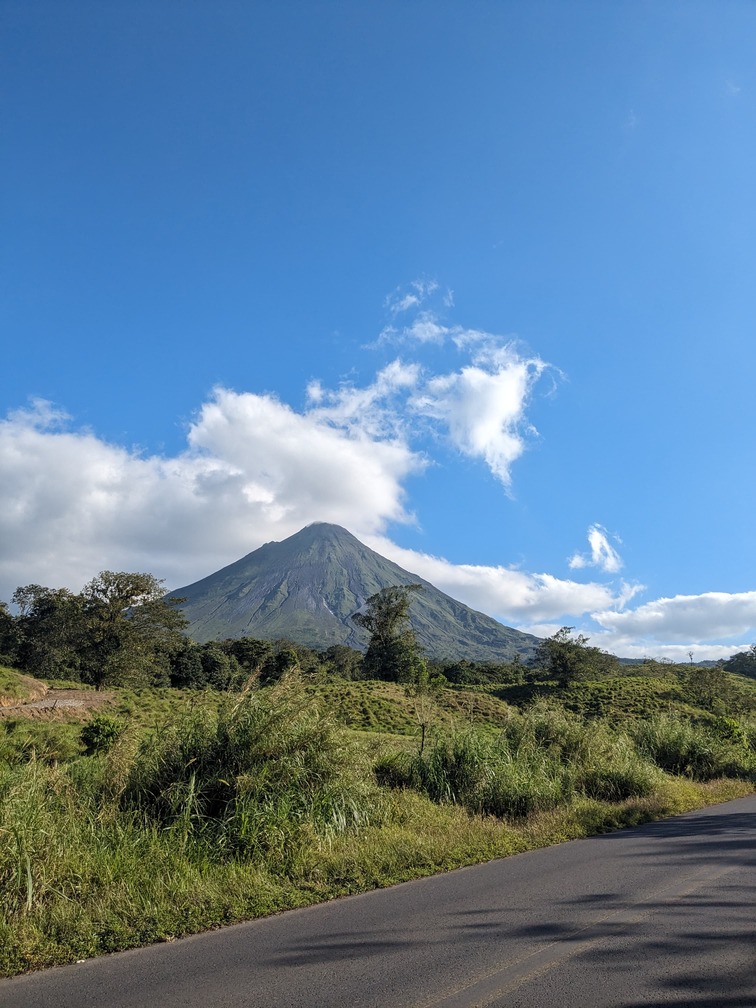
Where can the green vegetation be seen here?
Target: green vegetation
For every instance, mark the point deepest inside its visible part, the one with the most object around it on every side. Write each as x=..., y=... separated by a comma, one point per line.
x=743, y=663
x=199, y=784
x=543, y=758
x=173, y=811
x=392, y=651
x=120, y=629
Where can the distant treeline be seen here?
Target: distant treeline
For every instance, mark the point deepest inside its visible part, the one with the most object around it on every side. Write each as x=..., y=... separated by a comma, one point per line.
x=122, y=630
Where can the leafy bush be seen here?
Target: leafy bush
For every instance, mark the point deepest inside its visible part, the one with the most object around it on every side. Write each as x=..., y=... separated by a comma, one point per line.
x=99, y=734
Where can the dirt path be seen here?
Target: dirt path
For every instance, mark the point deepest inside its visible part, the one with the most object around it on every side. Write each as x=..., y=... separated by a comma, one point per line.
x=58, y=703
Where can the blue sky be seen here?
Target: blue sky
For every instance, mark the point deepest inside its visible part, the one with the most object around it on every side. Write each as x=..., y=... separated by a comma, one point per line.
x=475, y=280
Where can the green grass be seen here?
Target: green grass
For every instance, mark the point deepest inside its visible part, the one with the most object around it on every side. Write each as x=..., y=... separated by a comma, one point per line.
x=626, y=696
x=212, y=808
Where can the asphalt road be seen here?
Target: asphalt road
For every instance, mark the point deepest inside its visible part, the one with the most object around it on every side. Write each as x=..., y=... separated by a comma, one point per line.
x=658, y=915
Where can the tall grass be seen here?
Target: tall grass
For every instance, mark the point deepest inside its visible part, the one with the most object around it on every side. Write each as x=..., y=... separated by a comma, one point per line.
x=115, y=849
x=702, y=752
x=540, y=760
x=257, y=776
x=229, y=809
x=258, y=780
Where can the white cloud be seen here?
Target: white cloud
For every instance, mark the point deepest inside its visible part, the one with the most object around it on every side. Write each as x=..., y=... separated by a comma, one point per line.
x=710, y=626
x=426, y=329
x=404, y=300
x=711, y=616
x=602, y=554
x=511, y=596
x=480, y=407
x=370, y=410
x=426, y=325
x=483, y=406
x=254, y=470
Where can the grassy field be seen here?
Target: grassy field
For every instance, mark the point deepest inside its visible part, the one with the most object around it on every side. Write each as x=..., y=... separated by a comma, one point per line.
x=167, y=812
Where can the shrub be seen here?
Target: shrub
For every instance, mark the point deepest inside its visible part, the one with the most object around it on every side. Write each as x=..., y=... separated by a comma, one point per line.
x=541, y=759
x=264, y=773
x=691, y=750
x=482, y=774
x=99, y=734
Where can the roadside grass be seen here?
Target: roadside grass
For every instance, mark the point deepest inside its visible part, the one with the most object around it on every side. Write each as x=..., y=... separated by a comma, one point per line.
x=210, y=809
x=81, y=878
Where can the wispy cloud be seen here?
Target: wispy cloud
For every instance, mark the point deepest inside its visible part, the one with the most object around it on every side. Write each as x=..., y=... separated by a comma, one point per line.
x=427, y=304
x=480, y=406
x=375, y=410
x=483, y=406
x=413, y=296
x=602, y=553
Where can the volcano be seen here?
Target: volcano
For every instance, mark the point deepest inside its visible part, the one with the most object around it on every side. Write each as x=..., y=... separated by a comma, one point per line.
x=307, y=588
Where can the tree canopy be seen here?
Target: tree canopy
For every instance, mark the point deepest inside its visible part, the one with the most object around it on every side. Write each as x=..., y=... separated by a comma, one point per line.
x=565, y=658
x=393, y=652
x=743, y=663
x=120, y=629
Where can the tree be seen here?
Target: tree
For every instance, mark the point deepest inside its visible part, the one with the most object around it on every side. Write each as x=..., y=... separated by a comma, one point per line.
x=186, y=667
x=565, y=658
x=282, y=663
x=251, y=653
x=131, y=629
x=221, y=670
x=710, y=687
x=343, y=662
x=393, y=652
x=421, y=691
x=743, y=663
x=8, y=636
x=48, y=631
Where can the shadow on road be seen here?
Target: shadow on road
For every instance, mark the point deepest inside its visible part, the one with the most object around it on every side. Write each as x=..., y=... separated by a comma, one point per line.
x=693, y=948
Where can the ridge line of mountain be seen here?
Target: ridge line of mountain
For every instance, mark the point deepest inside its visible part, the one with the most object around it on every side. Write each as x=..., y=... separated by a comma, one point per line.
x=307, y=587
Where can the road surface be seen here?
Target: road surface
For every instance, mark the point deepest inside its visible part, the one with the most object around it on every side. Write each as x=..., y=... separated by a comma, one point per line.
x=662, y=914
